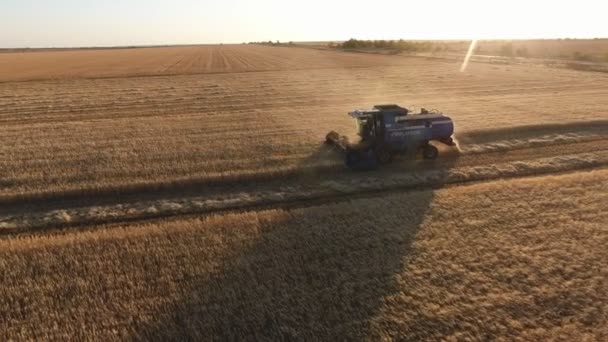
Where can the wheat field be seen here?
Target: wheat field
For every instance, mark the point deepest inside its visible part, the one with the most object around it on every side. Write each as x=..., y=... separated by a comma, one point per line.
x=79, y=136
x=186, y=193
x=113, y=63
x=508, y=259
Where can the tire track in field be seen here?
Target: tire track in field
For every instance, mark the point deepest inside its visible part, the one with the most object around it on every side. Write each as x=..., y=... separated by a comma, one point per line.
x=52, y=207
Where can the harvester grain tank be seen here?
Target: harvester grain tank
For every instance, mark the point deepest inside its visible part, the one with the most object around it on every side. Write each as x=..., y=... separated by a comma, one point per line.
x=388, y=130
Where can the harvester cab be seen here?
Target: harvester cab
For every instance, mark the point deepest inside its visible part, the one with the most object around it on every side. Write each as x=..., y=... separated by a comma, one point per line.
x=387, y=130
x=370, y=123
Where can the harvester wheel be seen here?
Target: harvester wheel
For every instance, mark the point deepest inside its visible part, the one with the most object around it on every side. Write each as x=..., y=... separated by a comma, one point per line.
x=430, y=152
x=383, y=155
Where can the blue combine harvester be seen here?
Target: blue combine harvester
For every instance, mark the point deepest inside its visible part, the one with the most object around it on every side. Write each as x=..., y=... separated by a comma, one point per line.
x=387, y=130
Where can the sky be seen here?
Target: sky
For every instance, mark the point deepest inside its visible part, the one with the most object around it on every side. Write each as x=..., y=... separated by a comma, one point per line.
x=78, y=23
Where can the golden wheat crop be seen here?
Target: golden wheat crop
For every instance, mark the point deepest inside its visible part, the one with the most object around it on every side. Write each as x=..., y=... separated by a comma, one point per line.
x=510, y=259
x=78, y=133
x=210, y=59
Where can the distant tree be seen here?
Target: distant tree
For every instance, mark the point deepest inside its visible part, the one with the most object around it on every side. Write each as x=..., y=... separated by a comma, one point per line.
x=400, y=45
x=350, y=44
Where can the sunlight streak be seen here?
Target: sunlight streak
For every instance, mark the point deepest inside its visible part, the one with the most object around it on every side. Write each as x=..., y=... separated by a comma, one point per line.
x=469, y=54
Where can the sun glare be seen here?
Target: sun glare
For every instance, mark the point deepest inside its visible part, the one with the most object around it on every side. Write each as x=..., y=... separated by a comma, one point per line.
x=465, y=63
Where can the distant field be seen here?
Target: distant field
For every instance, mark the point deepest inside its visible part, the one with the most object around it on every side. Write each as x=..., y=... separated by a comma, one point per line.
x=59, y=136
x=92, y=63
x=511, y=259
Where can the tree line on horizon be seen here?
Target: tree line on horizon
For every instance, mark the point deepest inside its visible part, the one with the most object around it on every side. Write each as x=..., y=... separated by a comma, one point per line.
x=271, y=43
x=505, y=49
x=398, y=45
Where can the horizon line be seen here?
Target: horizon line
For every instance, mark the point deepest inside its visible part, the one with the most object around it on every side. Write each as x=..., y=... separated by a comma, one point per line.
x=143, y=45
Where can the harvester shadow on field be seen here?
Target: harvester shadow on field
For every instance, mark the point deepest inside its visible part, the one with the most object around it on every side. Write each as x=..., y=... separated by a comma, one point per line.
x=315, y=273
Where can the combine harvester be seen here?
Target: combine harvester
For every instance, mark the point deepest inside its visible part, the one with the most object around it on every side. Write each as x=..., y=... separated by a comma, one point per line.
x=387, y=130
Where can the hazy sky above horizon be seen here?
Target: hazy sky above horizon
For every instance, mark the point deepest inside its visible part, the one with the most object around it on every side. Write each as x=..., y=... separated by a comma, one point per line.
x=72, y=23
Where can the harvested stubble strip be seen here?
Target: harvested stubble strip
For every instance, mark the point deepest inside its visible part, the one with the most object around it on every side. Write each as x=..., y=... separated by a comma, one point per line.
x=139, y=206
